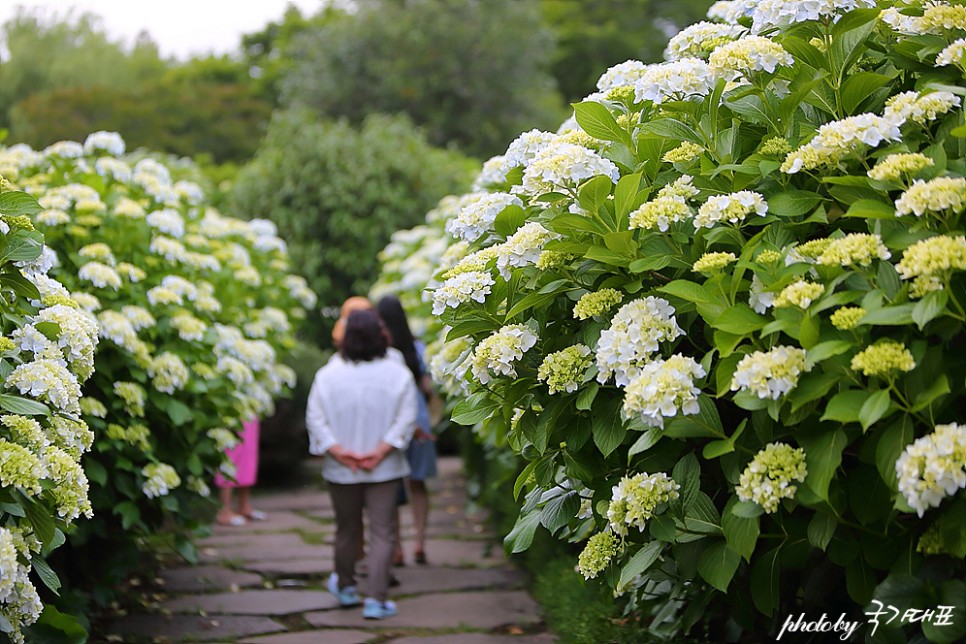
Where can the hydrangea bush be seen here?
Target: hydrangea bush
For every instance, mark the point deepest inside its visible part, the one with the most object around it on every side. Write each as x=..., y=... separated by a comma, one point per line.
x=721, y=315
x=46, y=355
x=194, y=310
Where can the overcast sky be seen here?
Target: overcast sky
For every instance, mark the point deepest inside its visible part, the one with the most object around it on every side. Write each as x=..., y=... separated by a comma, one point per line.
x=180, y=27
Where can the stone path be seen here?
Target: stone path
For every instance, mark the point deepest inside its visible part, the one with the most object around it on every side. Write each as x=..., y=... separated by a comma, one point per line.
x=264, y=583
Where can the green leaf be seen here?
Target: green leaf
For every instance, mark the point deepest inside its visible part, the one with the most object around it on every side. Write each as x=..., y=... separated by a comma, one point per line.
x=95, y=471
x=706, y=423
x=900, y=315
x=626, y=194
x=718, y=564
x=792, y=203
x=811, y=387
x=858, y=87
x=859, y=581
x=668, y=128
x=766, y=581
x=585, y=399
x=874, y=408
x=717, y=448
x=662, y=528
x=929, y=307
x=844, y=406
x=825, y=350
x=648, y=439
x=474, y=409
x=130, y=514
x=46, y=573
x=702, y=517
x=22, y=246
x=559, y=511
x=509, y=219
x=747, y=509
x=821, y=529
x=20, y=285
x=687, y=474
x=178, y=412
x=740, y=319
x=521, y=536
x=822, y=457
x=741, y=533
x=939, y=387
x=593, y=194
x=609, y=429
x=23, y=406
x=639, y=563
x=891, y=443
x=597, y=121
x=953, y=628
x=871, y=209
x=40, y=517
x=686, y=290
x=18, y=203
x=66, y=628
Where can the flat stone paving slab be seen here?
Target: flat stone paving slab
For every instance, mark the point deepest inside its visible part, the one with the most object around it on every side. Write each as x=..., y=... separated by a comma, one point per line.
x=464, y=553
x=199, y=579
x=258, y=552
x=329, y=636
x=312, y=566
x=483, y=610
x=415, y=580
x=478, y=638
x=221, y=628
x=255, y=602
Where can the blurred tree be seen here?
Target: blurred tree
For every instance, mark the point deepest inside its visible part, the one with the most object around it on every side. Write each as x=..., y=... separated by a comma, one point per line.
x=47, y=52
x=338, y=192
x=592, y=36
x=178, y=115
x=471, y=73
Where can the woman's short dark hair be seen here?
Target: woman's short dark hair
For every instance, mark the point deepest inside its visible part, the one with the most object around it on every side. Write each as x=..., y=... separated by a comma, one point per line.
x=365, y=337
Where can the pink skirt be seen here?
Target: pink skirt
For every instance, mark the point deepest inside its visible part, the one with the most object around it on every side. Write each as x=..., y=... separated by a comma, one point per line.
x=244, y=456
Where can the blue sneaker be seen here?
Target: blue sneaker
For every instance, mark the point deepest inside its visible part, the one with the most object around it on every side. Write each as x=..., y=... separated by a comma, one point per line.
x=375, y=609
x=347, y=596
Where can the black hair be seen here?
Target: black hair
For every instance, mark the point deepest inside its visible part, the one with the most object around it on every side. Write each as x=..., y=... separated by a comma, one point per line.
x=365, y=337
x=392, y=313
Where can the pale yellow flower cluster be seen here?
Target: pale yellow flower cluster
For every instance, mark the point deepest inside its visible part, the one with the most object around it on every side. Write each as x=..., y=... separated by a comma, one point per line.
x=935, y=195
x=930, y=261
x=596, y=303
x=635, y=499
x=700, y=39
x=685, y=152
x=857, y=249
x=895, y=166
x=883, y=359
x=919, y=108
x=799, y=294
x=747, y=56
x=713, y=262
x=770, y=374
x=597, y=554
x=847, y=317
x=159, y=479
x=564, y=370
x=768, y=478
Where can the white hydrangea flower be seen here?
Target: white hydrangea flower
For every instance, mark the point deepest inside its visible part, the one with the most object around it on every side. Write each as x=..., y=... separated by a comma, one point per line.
x=700, y=39
x=497, y=353
x=730, y=11
x=733, y=208
x=854, y=249
x=919, y=108
x=933, y=467
x=783, y=13
x=633, y=336
x=48, y=381
x=635, y=499
x=522, y=248
x=493, y=173
x=159, y=479
x=462, y=288
x=938, y=18
x=836, y=139
x=953, y=54
x=101, y=141
x=564, y=166
x=168, y=373
x=168, y=221
x=748, y=55
x=526, y=146
x=476, y=218
x=65, y=150
x=664, y=389
x=768, y=478
x=770, y=374
x=676, y=80
x=100, y=275
x=935, y=195
x=625, y=74
x=113, y=168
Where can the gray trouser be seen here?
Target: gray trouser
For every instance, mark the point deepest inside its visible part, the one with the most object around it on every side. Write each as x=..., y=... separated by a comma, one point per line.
x=379, y=500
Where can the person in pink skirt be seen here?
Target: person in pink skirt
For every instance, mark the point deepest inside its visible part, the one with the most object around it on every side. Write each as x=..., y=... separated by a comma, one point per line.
x=245, y=457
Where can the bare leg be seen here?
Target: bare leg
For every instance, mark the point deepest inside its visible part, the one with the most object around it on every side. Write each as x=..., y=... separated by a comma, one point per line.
x=225, y=513
x=419, y=497
x=245, y=501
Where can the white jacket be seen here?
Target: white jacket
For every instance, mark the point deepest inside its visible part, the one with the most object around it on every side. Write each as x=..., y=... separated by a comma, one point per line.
x=356, y=405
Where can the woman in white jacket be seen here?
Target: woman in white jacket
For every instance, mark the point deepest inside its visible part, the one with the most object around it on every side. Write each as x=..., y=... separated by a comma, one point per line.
x=360, y=414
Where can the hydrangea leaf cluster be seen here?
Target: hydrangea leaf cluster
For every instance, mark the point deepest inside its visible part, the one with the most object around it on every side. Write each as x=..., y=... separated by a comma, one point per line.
x=772, y=287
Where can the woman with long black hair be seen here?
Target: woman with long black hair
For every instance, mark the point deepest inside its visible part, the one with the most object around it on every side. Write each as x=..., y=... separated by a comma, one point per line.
x=421, y=452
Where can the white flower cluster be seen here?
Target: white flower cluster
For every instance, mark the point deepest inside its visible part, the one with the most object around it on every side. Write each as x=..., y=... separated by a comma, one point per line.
x=676, y=80
x=929, y=262
x=938, y=18
x=633, y=336
x=497, y=353
x=770, y=374
x=954, y=54
x=748, y=55
x=564, y=166
x=625, y=74
x=100, y=275
x=933, y=467
x=461, y=288
x=109, y=142
x=935, y=195
x=919, y=108
x=20, y=604
x=522, y=248
x=731, y=11
x=476, y=218
x=664, y=389
x=637, y=498
x=837, y=139
x=168, y=221
x=159, y=479
x=733, y=208
x=782, y=13
x=699, y=40
x=768, y=478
